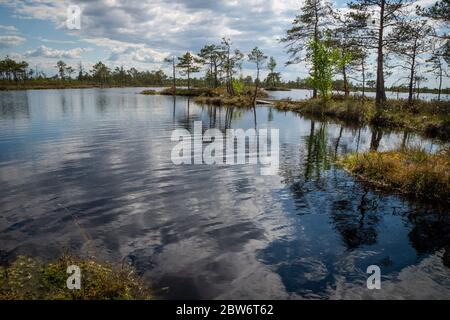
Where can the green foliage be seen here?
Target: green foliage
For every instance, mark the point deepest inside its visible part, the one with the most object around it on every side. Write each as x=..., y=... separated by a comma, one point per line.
x=238, y=85
x=13, y=70
x=188, y=63
x=100, y=72
x=61, y=66
x=344, y=59
x=324, y=58
x=271, y=65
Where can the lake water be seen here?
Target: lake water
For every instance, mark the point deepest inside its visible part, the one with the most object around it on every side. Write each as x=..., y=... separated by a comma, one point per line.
x=89, y=171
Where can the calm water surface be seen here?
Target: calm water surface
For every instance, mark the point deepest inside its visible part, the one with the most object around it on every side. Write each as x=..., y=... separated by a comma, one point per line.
x=89, y=171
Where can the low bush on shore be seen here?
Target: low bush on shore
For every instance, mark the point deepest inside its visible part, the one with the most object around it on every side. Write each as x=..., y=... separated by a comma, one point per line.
x=26, y=278
x=193, y=92
x=411, y=171
x=242, y=100
x=213, y=96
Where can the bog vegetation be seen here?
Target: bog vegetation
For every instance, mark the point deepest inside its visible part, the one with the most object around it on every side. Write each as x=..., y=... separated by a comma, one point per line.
x=411, y=171
x=27, y=278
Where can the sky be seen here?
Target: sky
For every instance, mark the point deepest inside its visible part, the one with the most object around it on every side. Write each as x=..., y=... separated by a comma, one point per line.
x=141, y=34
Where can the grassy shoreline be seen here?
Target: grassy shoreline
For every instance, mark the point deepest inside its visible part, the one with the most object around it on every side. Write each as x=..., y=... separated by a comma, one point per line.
x=412, y=171
x=28, y=279
x=210, y=96
x=430, y=118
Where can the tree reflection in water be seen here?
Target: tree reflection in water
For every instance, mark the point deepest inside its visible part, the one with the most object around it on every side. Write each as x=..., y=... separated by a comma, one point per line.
x=338, y=217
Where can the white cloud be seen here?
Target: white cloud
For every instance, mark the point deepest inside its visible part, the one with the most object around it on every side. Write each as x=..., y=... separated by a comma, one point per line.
x=11, y=41
x=8, y=28
x=46, y=52
x=142, y=33
x=121, y=50
x=55, y=41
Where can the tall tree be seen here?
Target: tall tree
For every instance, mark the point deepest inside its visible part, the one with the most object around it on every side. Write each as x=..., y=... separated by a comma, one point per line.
x=310, y=25
x=172, y=60
x=232, y=61
x=412, y=40
x=440, y=10
x=212, y=56
x=324, y=59
x=437, y=65
x=69, y=71
x=440, y=13
x=80, y=71
x=188, y=64
x=383, y=15
x=346, y=38
x=100, y=72
x=273, y=77
x=61, y=66
x=258, y=58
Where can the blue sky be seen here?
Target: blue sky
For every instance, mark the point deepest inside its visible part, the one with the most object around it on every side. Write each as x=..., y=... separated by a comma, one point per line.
x=142, y=33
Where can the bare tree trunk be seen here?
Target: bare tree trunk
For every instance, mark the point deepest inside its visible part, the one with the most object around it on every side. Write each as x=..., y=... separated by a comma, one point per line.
x=174, y=78
x=256, y=85
x=344, y=73
x=231, y=85
x=440, y=83
x=316, y=38
x=377, y=134
x=380, y=97
x=411, y=77
x=418, y=89
x=189, y=80
x=411, y=82
x=215, y=76
x=363, y=78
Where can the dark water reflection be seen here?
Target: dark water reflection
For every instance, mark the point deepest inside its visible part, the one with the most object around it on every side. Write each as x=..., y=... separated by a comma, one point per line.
x=90, y=171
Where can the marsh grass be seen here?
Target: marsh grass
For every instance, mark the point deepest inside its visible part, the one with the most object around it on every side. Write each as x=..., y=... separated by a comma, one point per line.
x=431, y=118
x=213, y=96
x=411, y=171
x=27, y=278
x=240, y=100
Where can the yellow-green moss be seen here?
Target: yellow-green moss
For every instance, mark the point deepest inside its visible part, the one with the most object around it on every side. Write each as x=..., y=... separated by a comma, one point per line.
x=26, y=278
x=410, y=171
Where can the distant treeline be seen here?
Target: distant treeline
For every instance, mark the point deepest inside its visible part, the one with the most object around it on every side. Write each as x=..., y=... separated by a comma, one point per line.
x=18, y=74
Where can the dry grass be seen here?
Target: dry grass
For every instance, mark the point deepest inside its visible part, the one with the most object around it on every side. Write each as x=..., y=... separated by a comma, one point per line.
x=410, y=171
x=239, y=101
